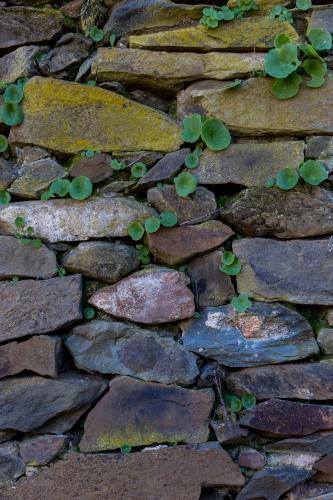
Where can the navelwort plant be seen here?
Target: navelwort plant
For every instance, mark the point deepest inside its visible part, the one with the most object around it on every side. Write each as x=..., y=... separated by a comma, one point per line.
x=241, y=302
x=136, y=230
x=313, y=172
x=211, y=17
x=281, y=13
x=79, y=188
x=230, y=264
x=236, y=403
x=289, y=62
x=11, y=113
x=26, y=237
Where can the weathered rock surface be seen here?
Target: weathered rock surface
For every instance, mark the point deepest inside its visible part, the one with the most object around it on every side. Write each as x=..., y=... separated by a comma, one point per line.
x=19, y=63
x=125, y=349
x=40, y=450
x=25, y=261
x=322, y=18
x=229, y=433
x=41, y=354
x=210, y=287
x=11, y=464
x=8, y=173
x=264, y=334
x=137, y=475
x=304, y=114
x=69, y=117
x=97, y=167
x=280, y=418
x=169, y=72
x=102, y=260
x=153, y=295
x=325, y=465
x=176, y=245
x=71, y=220
x=248, y=164
x=246, y=34
x=27, y=403
x=295, y=381
x=325, y=340
x=320, y=443
x=198, y=207
x=26, y=25
x=30, y=307
x=251, y=459
x=292, y=271
x=301, y=212
x=319, y=146
x=165, y=169
x=311, y=491
x=140, y=413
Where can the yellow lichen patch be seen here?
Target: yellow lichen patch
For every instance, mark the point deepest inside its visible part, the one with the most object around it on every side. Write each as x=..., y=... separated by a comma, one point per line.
x=70, y=117
x=246, y=34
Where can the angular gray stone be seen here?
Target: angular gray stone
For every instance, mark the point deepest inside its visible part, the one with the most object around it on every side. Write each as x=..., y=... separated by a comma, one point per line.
x=319, y=146
x=102, y=260
x=319, y=442
x=297, y=271
x=264, y=334
x=97, y=168
x=19, y=63
x=8, y=173
x=11, y=464
x=25, y=261
x=325, y=340
x=322, y=18
x=294, y=381
x=165, y=169
x=125, y=349
x=248, y=164
x=30, y=307
x=40, y=450
x=71, y=220
x=301, y=212
x=27, y=403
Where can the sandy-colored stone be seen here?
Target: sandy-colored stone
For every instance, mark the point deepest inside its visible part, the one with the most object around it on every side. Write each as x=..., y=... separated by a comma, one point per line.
x=19, y=63
x=70, y=117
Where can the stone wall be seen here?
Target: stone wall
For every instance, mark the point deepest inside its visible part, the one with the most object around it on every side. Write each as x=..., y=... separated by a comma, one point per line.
x=134, y=348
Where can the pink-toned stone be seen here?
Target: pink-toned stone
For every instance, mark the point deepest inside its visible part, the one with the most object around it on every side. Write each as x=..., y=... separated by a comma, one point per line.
x=251, y=459
x=40, y=450
x=96, y=167
x=153, y=295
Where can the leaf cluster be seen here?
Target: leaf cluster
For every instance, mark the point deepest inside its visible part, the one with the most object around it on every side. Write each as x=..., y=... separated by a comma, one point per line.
x=236, y=403
x=241, y=303
x=11, y=113
x=26, y=236
x=136, y=230
x=211, y=17
x=230, y=264
x=281, y=13
x=313, y=172
x=79, y=188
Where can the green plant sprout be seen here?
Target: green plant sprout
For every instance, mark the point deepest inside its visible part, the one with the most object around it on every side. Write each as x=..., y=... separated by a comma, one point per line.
x=185, y=184
x=237, y=403
x=281, y=13
x=89, y=312
x=5, y=198
x=3, y=143
x=11, y=113
x=212, y=131
x=230, y=264
x=143, y=254
x=26, y=238
x=112, y=39
x=211, y=17
x=61, y=271
x=95, y=33
x=89, y=152
x=241, y=303
x=303, y=4
x=313, y=172
x=138, y=170
x=79, y=189
x=136, y=230
x=117, y=165
x=152, y=224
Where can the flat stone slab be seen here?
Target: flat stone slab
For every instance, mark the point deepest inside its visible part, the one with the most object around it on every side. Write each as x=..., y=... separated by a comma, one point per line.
x=264, y=334
x=322, y=19
x=319, y=443
x=71, y=220
x=297, y=271
x=126, y=349
x=307, y=113
x=70, y=117
x=11, y=464
x=144, y=475
x=246, y=34
x=295, y=381
x=165, y=169
x=169, y=72
x=301, y=212
x=151, y=296
x=40, y=450
x=31, y=307
x=139, y=413
x=19, y=63
x=248, y=164
x=25, y=261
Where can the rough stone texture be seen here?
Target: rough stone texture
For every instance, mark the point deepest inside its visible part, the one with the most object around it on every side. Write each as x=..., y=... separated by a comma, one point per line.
x=125, y=349
x=311, y=491
x=69, y=117
x=267, y=264
x=35, y=177
x=102, y=260
x=273, y=482
x=143, y=475
x=174, y=246
x=251, y=459
x=210, y=287
x=246, y=34
x=139, y=413
x=319, y=146
x=8, y=173
x=322, y=19
x=325, y=340
x=30, y=307
x=165, y=169
x=264, y=334
x=97, y=167
x=71, y=220
x=325, y=465
x=319, y=444
x=153, y=295
x=198, y=207
x=11, y=464
x=27, y=403
x=169, y=72
x=25, y=261
x=301, y=212
x=19, y=63
x=72, y=8
x=280, y=418
x=26, y=25
x=229, y=433
x=248, y=164
x=304, y=114
x=295, y=381
x=41, y=354
x=40, y=450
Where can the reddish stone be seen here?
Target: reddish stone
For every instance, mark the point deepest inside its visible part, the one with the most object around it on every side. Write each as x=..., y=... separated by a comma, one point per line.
x=40, y=450
x=325, y=465
x=251, y=459
x=96, y=167
x=72, y=9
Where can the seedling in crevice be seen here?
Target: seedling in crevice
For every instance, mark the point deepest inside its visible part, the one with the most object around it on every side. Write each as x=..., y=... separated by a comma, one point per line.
x=313, y=172
x=136, y=229
x=79, y=188
x=143, y=254
x=241, y=303
x=89, y=312
x=26, y=237
x=230, y=264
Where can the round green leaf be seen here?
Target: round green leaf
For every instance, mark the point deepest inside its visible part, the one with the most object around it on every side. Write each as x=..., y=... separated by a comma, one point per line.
x=46, y=196
x=81, y=188
x=313, y=172
x=138, y=170
x=191, y=160
x=320, y=39
x=89, y=312
x=4, y=198
x=212, y=23
x=37, y=243
x=215, y=134
x=228, y=258
x=168, y=219
x=192, y=128
x=11, y=114
x=281, y=62
x=280, y=40
x=241, y=303
x=125, y=449
x=152, y=224
x=303, y=4
x=286, y=88
x=317, y=69
x=287, y=178
x=197, y=151
x=231, y=269
x=13, y=93
x=185, y=184
x=21, y=82
x=20, y=222
x=228, y=14
x=136, y=231
x=117, y=165
x=96, y=34
x=235, y=404
x=3, y=143
x=60, y=187
x=248, y=401
x=90, y=153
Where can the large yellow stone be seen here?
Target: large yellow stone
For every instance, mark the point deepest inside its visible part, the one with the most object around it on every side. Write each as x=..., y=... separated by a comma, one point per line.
x=251, y=109
x=70, y=117
x=169, y=71
x=246, y=34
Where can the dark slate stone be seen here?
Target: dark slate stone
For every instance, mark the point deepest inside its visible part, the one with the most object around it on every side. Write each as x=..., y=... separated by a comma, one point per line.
x=11, y=464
